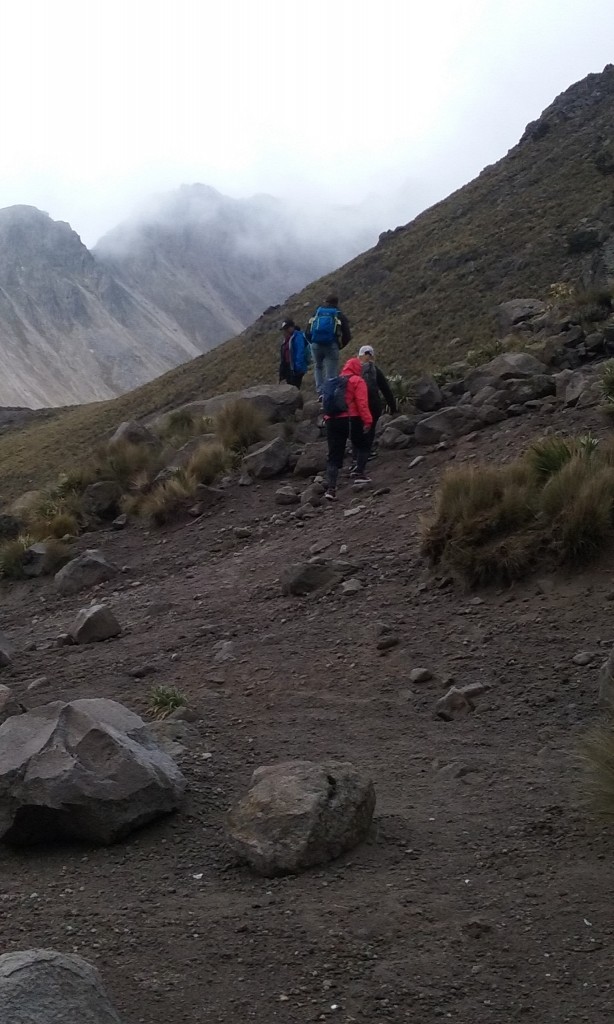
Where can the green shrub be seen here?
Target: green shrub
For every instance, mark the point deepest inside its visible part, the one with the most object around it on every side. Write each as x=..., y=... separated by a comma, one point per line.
x=164, y=700
x=401, y=389
x=239, y=425
x=484, y=353
x=549, y=454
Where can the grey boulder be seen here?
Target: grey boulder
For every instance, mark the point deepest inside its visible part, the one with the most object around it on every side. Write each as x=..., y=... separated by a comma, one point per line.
x=133, y=432
x=448, y=423
x=41, y=986
x=428, y=396
x=276, y=402
x=87, y=770
x=299, y=814
x=268, y=459
x=94, y=623
x=83, y=572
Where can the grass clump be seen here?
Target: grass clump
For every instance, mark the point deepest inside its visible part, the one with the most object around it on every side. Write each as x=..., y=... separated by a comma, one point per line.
x=401, y=389
x=207, y=463
x=169, y=499
x=483, y=354
x=164, y=700
x=597, y=752
x=239, y=425
x=182, y=425
x=555, y=505
x=12, y=557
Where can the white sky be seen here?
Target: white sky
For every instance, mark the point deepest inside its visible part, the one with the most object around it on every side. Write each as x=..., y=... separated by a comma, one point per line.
x=103, y=102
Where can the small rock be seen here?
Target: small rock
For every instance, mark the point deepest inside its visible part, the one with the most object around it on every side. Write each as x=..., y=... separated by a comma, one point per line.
x=286, y=495
x=224, y=651
x=416, y=462
x=583, y=658
x=64, y=640
x=420, y=675
x=85, y=571
x=120, y=522
x=353, y=511
x=94, y=624
x=38, y=684
x=321, y=545
x=458, y=699
x=243, y=532
x=245, y=480
x=351, y=586
x=386, y=643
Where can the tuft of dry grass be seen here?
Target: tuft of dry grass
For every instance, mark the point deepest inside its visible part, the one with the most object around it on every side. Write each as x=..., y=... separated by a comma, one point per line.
x=169, y=499
x=207, y=463
x=553, y=505
x=239, y=425
x=182, y=425
x=12, y=554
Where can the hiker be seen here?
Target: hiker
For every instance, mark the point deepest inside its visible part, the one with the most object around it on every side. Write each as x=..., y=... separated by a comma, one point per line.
x=293, y=354
x=345, y=405
x=377, y=386
x=328, y=332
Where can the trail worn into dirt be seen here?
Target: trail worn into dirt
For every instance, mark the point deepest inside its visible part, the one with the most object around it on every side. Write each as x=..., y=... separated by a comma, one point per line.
x=484, y=892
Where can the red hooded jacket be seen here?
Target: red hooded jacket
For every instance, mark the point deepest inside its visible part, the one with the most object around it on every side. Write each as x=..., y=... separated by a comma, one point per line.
x=356, y=395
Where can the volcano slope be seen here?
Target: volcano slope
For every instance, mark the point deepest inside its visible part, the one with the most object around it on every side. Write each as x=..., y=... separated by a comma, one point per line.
x=482, y=892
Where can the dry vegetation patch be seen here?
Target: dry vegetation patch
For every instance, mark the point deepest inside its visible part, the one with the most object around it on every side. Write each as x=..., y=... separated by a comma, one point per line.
x=553, y=505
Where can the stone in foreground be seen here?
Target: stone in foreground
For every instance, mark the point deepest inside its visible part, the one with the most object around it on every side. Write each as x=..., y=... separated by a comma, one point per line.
x=94, y=623
x=83, y=572
x=41, y=986
x=299, y=814
x=87, y=770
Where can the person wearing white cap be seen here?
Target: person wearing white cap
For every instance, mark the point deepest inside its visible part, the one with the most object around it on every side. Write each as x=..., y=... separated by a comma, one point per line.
x=377, y=386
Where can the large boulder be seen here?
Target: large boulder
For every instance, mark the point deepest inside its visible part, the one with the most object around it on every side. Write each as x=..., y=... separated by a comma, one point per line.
x=101, y=499
x=87, y=770
x=507, y=366
x=298, y=814
x=94, y=624
x=517, y=311
x=267, y=459
x=312, y=459
x=83, y=572
x=41, y=986
x=133, y=432
x=276, y=402
x=393, y=438
x=449, y=423
x=428, y=396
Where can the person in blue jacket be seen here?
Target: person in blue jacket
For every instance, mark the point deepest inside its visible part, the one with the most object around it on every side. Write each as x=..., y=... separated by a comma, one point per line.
x=294, y=354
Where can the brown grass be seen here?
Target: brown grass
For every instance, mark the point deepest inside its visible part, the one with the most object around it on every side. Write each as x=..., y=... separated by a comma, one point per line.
x=554, y=506
x=240, y=425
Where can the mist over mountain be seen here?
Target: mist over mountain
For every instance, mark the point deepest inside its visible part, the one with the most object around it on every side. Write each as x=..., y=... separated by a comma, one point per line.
x=192, y=269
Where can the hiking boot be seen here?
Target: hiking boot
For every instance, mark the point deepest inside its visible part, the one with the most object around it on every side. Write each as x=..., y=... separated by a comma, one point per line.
x=331, y=494
x=353, y=469
x=361, y=478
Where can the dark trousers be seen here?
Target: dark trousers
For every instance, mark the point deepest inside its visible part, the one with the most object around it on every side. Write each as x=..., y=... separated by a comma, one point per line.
x=362, y=452
x=337, y=432
x=286, y=376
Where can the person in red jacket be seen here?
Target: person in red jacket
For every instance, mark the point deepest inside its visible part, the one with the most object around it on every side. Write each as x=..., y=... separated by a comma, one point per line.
x=355, y=424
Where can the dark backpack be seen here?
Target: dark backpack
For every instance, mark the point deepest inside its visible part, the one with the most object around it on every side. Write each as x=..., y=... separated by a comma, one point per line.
x=334, y=401
x=325, y=325
x=369, y=375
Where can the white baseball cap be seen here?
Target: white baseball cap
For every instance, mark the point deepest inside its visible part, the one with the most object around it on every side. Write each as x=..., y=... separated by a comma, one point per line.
x=366, y=350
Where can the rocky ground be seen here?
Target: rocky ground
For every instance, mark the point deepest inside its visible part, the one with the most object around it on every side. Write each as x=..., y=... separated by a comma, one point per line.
x=482, y=893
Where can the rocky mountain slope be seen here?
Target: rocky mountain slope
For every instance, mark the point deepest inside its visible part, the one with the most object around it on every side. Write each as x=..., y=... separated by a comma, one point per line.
x=480, y=861
x=427, y=292
x=196, y=268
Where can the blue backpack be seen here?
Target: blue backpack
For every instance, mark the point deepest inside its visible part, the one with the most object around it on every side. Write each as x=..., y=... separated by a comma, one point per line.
x=325, y=325
x=334, y=402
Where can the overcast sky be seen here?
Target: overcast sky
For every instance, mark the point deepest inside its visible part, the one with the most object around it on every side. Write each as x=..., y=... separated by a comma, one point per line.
x=103, y=103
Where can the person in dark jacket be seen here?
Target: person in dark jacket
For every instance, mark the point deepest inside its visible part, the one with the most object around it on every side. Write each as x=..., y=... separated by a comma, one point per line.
x=325, y=349
x=377, y=387
x=293, y=354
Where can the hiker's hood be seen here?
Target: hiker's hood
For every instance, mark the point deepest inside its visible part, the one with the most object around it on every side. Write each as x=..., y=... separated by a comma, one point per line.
x=353, y=365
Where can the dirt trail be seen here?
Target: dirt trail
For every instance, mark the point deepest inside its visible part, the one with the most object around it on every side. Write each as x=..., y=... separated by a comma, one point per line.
x=483, y=893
